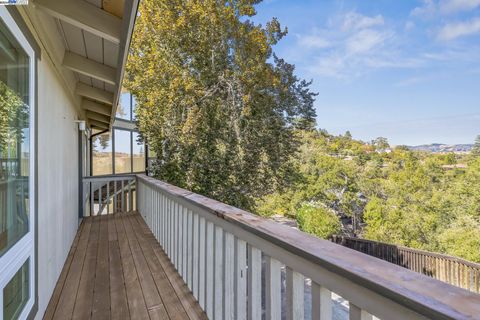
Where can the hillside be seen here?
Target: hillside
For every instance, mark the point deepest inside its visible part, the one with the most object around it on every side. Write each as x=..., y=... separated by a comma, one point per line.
x=442, y=148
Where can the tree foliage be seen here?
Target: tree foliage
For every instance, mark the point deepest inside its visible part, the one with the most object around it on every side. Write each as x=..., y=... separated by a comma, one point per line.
x=214, y=103
x=415, y=199
x=318, y=221
x=13, y=118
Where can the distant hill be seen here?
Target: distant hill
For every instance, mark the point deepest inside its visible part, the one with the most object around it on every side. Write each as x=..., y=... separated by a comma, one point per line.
x=443, y=148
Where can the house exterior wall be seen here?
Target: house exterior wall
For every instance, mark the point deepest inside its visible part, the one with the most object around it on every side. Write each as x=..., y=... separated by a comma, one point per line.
x=57, y=136
x=57, y=152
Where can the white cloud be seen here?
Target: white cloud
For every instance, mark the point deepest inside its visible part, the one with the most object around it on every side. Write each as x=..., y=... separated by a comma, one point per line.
x=356, y=21
x=365, y=40
x=431, y=8
x=409, y=25
x=451, y=6
x=452, y=31
x=351, y=45
x=313, y=41
x=428, y=8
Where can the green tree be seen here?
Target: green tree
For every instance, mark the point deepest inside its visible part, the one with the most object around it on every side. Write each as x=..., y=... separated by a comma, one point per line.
x=219, y=109
x=476, y=146
x=318, y=221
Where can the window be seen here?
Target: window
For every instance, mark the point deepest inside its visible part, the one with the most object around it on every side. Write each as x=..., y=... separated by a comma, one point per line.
x=16, y=293
x=134, y=107
x=124, y=108
x=102, y=154
x=138, y=154
x=17, y=241
x=123, y=156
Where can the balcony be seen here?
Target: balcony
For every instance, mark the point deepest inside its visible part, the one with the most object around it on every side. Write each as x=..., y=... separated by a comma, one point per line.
x=186, y=256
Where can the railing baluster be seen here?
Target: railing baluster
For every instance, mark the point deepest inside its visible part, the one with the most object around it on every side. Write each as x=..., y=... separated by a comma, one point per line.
x=176, y=234
x=130, y=197
x=189, y=247
x=115, y=196
x=182, y=243
x=201, y=262
x=321, y=302
x=195, y=252
x=218, y=278
x=92, y=200
x=123, y=197
x=229, y=276
x=254, y=283
x=273, y=280
x=295, y=295
x=169, y=228
x=355, y=313
x=108, y=197
x=209, y=271
x=240, y=279
x=185, y=246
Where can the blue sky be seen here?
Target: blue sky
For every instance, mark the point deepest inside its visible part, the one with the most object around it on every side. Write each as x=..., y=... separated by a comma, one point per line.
x=408, y=70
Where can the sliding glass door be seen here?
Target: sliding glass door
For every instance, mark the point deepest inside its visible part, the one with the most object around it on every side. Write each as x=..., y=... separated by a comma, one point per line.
x=16, y=171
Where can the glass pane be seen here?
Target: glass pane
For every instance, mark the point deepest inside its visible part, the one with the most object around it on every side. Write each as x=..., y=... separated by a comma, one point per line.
x=123, y=158
x=134, y=106
x=16, y=293
x=14, y=140
x=138, y=154
x=123, y=110
x=102, y=154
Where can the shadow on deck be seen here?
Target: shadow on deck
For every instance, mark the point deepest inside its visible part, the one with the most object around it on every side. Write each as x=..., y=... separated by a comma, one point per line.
x=117, y=270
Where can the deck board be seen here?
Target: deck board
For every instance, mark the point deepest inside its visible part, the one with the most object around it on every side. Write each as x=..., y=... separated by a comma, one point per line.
x=117, y=270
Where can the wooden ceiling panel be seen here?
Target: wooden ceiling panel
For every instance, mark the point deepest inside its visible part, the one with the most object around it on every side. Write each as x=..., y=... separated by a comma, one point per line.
x=94, y=46
x=110, y=53
x=84, y=79
x=74, y=38
x=114, y=7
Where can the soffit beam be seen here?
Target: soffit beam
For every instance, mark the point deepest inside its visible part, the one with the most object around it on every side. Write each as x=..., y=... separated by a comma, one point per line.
x=98, y=124
x=98, y=117
x=94, y=93
x=89, y=67
x=86, y=16
x=96, y=107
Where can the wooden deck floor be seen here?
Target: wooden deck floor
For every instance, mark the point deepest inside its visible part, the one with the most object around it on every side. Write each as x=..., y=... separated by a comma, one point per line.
x=117, y=270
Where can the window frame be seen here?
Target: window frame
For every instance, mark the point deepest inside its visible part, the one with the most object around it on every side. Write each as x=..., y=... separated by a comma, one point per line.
x=15, y=257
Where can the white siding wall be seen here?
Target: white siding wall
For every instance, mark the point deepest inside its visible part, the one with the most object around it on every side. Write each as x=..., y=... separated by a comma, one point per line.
x=57, y=180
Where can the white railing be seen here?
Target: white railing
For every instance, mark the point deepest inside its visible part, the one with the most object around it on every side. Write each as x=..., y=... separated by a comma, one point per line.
x=108, y=194
x=241, y=266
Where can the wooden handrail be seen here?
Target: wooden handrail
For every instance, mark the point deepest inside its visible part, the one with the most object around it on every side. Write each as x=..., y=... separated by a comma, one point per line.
x=372, y=286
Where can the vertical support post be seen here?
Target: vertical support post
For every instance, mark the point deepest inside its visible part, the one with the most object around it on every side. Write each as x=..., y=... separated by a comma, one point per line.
x=108, y=197
x=229, y=276
x=295, y=295
x=321, y=302
x=201, y=262
x=240, y=279
x=218, y=279
x=254, y=283
x=355, y=313
x=195, y=252
x=209, y=271
x=273, y=292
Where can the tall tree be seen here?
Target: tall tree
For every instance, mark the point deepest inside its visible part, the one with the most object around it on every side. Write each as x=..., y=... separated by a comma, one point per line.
x=476, y=146
x=219, y=109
